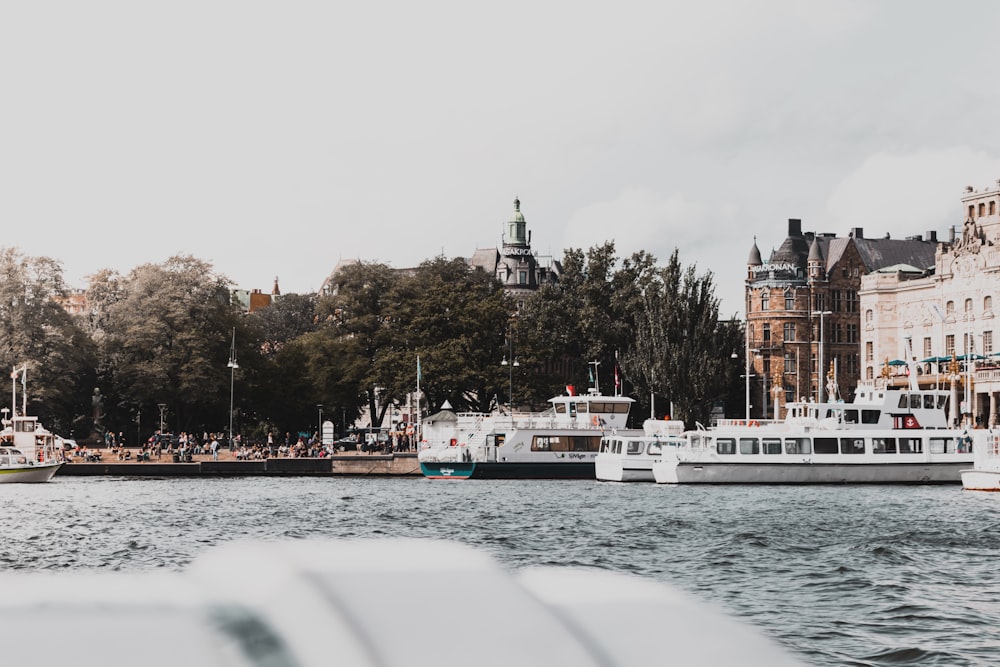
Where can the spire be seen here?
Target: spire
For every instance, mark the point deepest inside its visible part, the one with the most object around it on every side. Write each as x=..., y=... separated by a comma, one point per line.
x=815, y=253
x=274, y=290
x=516, y=234
x=754, y=259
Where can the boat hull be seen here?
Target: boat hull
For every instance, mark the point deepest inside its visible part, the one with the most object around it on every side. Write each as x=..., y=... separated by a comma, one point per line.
x=615, y=471
x=41, y=472
x=809, y=473
x=508, y=470
x=981, y=480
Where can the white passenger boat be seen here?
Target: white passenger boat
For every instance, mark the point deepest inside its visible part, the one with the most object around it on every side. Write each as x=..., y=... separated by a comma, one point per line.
x=28, y=452
x=984, y=475
x=886, y=435
x=629, y=458
x=560, y=442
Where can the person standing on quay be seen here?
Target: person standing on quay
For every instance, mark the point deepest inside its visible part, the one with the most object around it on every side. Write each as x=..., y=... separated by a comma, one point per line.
x=215, y=448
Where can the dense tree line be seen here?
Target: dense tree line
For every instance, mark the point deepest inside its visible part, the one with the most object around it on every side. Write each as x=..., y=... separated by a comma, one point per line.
x=156, y=341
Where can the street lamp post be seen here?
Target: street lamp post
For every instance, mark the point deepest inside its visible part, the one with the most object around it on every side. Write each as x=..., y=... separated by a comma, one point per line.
x=163, y=409
x=822, y=372
x=510, y=369
x=232, y=365
x=319, y=406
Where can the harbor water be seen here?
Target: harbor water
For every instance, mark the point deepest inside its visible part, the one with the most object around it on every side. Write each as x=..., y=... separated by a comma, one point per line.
x=839, y=575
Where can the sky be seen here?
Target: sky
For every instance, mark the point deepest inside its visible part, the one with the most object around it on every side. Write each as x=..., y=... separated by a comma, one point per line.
x=274, y=139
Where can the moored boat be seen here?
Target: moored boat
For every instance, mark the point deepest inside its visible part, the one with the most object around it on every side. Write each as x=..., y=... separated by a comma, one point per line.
x=886, y=435
x=984, y=475
x=629, y=457
x=28, y=452
x=560, y=442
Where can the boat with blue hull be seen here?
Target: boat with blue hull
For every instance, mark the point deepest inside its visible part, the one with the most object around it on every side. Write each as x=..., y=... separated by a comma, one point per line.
x=561, y=442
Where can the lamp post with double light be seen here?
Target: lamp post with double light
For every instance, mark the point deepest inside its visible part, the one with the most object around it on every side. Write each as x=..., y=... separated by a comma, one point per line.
x=822, y=372
x=232, y=366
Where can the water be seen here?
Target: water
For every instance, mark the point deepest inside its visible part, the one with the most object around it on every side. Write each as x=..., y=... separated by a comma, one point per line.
x=891, y=575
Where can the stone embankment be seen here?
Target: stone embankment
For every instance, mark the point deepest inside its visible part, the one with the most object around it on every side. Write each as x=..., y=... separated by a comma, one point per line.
x=202, y=465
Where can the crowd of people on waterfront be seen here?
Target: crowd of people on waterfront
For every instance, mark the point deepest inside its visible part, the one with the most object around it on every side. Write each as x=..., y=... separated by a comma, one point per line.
x=183, y=447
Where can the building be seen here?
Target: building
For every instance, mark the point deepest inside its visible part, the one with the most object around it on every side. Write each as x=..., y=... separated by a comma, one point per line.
x=943, y=318
x=254, y=299
x=803, y=312
x=521, y=270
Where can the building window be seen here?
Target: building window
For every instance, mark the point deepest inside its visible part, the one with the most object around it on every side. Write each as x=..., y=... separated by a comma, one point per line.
x=869, y=315
x=987, y=303
x=789, y=332
x=789, y=362
x=818, y=302
x=982, y=210
x=966, y=346
x=972, y=211
x=949, y=308
x=789, y=301
x=993, y=207
x=869, y=351
x=871, y=373
x=835, y=301
x=852, y=333
x=765, y=300
x=949, y=345
x=767, y=332
x=789, y=395
x=852, y=301
x=968, y=306
x=987, y=342
x=927, y=347
x=522, y=277
x=852, y=364
x=838, y=333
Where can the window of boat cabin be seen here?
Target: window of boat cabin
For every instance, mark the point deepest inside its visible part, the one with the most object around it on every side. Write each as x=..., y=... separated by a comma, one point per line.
x=798, y=446
x=771, y=445
x=883, y=445
x=617, y=447
x=928, y=401
x=560, y=408
x=609, y=408
x=850, y=416
x=654, y=448
x=915, y=401
x=725, y=446
x=749, y=446
x=634, y=447
x=870, y=416
x=605, y=446
x=942, y=402
x=825, y=445
x=942, y=445
x=24, y=425
x=567, y=443
x=852, y=445
x=911, y=445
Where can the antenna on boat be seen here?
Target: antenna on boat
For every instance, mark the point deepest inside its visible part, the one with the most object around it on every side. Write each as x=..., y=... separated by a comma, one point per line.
x=23, y=373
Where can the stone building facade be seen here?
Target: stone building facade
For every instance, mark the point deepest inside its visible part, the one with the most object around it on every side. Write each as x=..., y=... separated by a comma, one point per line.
x=803, y=313
x=944, y=318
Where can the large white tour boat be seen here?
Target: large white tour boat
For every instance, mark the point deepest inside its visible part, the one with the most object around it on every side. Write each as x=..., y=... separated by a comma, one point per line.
x=626, y=457
x=984, y=475
x=885, y=435
x=561, y=442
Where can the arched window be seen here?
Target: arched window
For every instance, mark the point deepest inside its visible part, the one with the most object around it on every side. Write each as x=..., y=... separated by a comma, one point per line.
x=982, y=210
x=789, y=301
x=968, y=306
x=972, y=211
x=949, y=308
x=987, y=303
x=993, y=208
x=765, y=300
x=869, y=315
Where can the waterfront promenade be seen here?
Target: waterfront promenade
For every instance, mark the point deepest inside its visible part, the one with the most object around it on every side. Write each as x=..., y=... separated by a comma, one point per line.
x=203, y=465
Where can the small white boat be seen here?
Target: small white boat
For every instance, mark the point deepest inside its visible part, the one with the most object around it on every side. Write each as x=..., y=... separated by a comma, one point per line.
x=626, y=457
x=28, y=452
x=985, y=472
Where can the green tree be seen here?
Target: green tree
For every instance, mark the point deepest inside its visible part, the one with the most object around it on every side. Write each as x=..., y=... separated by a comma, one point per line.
x=38, y=333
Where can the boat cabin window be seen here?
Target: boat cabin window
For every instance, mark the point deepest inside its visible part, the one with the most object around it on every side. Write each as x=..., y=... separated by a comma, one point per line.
x=850, y=416
x=654, y=448
x=928, y=401
x=883, y=445
x=725, y=446
x=4, y=460
x=903, y=401
x=567, y=443
x=870, y=416
x=771, y=445
x=605, y=446
x=911, y=446
x=942, y=445
x=798, y=446
x=825, y=445
x=852, y=446
x=915, y=401
x=942, y=401
x=24, y=425
x=560, y=408
x=635, y=447
x=749, y=446
x=609, y=408
x=616, y=447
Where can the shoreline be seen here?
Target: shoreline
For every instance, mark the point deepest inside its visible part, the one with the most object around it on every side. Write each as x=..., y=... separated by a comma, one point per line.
x=401, y=464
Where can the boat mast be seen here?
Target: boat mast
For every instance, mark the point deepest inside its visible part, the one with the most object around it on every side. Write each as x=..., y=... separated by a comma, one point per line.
x=23, y=372
x=595, y=378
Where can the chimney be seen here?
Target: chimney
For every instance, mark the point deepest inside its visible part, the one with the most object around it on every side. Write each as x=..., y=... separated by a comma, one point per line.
x=794, y=227
x=932, y=236
x=857, y=232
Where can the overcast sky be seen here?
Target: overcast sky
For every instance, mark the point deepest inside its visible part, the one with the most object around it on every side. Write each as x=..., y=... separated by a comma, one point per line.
x=273, y=139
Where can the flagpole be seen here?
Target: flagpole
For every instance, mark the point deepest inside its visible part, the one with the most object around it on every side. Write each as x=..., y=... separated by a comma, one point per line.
x=419, y=431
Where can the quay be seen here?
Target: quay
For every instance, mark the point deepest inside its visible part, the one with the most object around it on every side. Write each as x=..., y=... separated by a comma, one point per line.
x=202, y=465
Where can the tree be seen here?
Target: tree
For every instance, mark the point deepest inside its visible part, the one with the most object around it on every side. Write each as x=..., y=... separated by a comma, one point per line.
x=38, y=333
x=165, y=337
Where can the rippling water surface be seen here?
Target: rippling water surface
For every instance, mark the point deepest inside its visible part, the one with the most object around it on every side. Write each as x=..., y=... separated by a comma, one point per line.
x=840, y=575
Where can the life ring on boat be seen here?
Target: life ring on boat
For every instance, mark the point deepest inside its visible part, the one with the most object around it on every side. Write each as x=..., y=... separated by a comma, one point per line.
x=594, y=421
x=754, y=422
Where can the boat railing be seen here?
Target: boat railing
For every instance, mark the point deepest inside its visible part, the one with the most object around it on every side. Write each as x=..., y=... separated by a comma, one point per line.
x=745, y=422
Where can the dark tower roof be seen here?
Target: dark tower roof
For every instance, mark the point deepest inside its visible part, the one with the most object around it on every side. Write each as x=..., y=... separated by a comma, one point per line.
x=815, y=253
x=754, y=259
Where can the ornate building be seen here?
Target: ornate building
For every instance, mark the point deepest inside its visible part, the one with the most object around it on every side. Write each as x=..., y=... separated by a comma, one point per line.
x=521, y=270
x=943, y=318
x=803, y=312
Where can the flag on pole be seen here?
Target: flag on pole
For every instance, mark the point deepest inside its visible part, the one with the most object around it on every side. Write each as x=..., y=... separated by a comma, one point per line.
x=618, y=379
